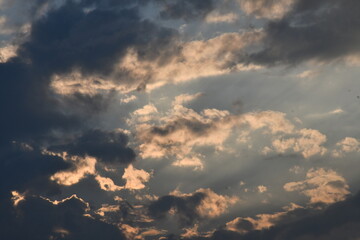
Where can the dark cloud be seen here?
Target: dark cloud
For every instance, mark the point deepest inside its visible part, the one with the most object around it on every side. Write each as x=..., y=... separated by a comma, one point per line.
x=186, y=9
x=26, y=105
x=24, y=168
x=193, y=125
x=108, y=147
x=312, y=30
x=338, y=221
x=65, y=39
x=62, y=40
x=185, y=207
x=37, y=219
x=69, y=38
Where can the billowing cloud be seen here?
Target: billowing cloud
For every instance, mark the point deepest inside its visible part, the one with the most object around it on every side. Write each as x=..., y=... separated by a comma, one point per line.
x=135, y=178
x=347, y=145
x=309, y=142
x=321, y=186
x=182, y=130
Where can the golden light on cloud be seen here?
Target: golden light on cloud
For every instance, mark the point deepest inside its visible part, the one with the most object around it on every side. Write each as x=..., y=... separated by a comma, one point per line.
x=321, y=186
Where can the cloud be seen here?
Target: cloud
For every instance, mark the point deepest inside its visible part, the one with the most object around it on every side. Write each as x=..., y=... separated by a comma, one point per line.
x=135, y=178
x=321, y=186
x=309, y=143
x=63, y=62
x=179, y=131
x=262, y=188
x=7, y=53
x=216, y=17
x=27, y=169
x=88, y=41
x=194, y=59
x=43, y=219
x=105, y=146
x=108, y=184
x=261, y=221
x=193, y=162
x=182, y=130
x=146, y=110
x=271, y=9
x=295, y=223
x=346, y=145
x=82, y=167
x=185, y=98
x=185, y=207
x=186, y=9
x=301, y=33
x=337, y=221
x=203, y=203
x=213, y=205
x=128, y=99
x=34, y=113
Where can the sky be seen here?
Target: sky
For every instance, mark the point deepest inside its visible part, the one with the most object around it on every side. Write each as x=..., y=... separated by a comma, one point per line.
x=179, y=119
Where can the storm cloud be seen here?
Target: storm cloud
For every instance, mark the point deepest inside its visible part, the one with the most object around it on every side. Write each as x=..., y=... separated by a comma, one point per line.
x=311, y=30
x=107, y=147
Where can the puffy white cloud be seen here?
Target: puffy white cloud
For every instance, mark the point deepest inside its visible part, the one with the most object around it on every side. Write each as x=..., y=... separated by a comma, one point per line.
x=135, y=178
x=308, y=143
x=271, y=121
x=179, y=131
x=347, y=145
x=183, y=129
x=321, y=186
